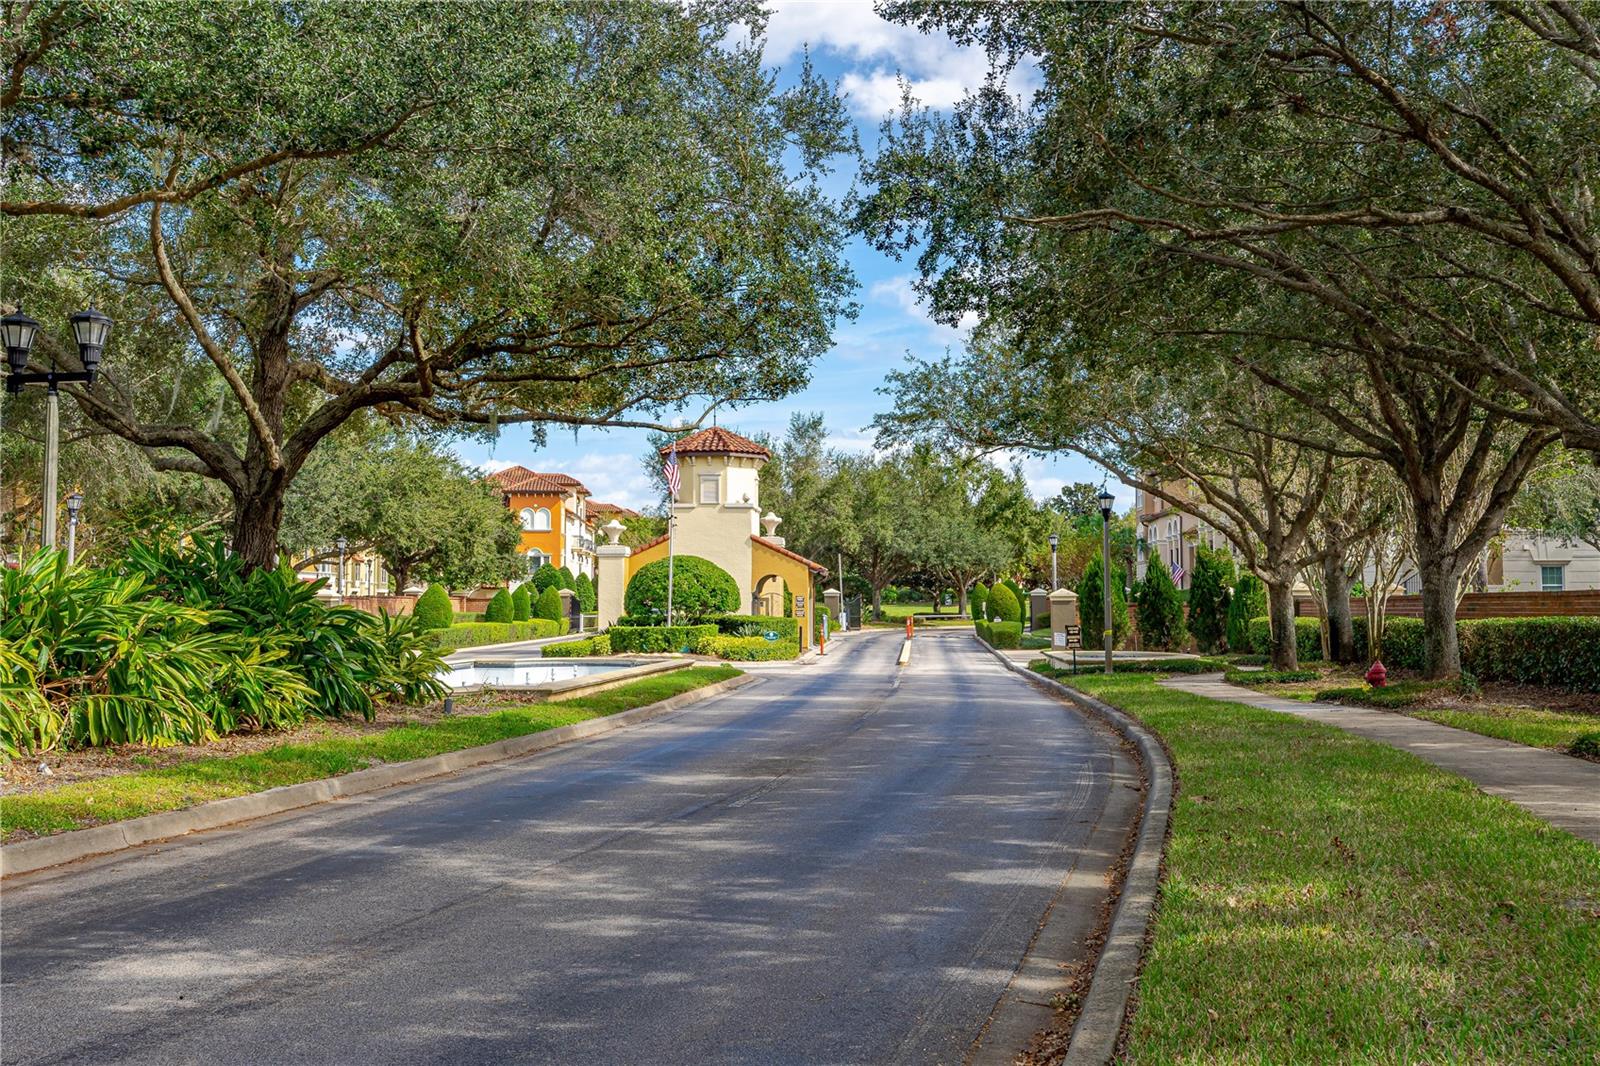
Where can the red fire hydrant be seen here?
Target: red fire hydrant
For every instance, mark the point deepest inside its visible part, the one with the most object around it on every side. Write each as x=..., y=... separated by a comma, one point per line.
x=1377, y=675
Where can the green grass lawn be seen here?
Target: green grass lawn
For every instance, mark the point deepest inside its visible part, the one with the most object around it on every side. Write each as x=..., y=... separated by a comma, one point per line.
x=1330, y=899
x=1525, y=725
x=897, y=613
x=110, y=799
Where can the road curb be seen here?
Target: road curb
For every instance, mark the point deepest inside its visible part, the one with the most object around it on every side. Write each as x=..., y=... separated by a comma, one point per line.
x=42, y=852
x=1094, y=1037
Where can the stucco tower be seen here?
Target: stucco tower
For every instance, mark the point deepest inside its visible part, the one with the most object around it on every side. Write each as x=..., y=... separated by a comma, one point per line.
x=718, y=506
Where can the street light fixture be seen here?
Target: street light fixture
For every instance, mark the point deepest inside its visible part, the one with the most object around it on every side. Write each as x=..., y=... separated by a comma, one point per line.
x=1106, y=502
x=74, y=505
x=1055, y=541
x=342, y=544
x=91, y=329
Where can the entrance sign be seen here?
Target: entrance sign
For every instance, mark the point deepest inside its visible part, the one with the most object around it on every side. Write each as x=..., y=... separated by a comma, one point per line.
x=1070, y=637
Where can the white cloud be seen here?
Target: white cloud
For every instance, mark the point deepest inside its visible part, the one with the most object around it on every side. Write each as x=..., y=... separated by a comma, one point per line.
x=494, y=466
x=615, y=477
x=939, y=71
x=898, y=292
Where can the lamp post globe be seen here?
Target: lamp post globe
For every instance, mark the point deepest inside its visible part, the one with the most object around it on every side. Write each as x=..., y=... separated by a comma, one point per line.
x=74, y=505
x=1107, y=501
x=1055, y=541
x=18, y=331
x=91, y=329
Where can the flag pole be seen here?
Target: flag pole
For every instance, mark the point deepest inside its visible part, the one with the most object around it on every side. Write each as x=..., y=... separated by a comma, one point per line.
x=671, y=521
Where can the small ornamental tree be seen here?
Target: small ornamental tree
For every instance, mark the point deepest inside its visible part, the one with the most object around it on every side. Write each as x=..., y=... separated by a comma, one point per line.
x=1208, y=598
x=1091, y=606
x=521, y=604
x=567, y=580
x=979, y=601
x=1249, y=601
x=548, y=605
x=587, y=599
x=1003, y=605
x=499, y=609
x=547, y=577
x=700, y=588
x=1160, y=609
x=1022, y=600
x=434, y=609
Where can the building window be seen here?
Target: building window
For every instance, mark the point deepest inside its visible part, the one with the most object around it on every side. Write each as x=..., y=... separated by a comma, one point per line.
x=536, y=559
x=1552, y=578
x=710, y=488
x=541, y=521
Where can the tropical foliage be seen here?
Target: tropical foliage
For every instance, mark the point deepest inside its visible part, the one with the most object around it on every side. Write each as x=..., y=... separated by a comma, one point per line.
x=183, y=645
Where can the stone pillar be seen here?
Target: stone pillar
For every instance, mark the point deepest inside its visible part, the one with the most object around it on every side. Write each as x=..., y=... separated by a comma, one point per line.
x=1065, y=631
x=611, y=574
x=833, y=600
x=1038, y=609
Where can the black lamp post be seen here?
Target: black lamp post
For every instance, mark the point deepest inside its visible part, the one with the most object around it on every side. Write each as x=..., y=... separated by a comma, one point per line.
x=74, y=505
x=1055, y=541
x=343, y=544
x=1106, y=502
x=91, y=329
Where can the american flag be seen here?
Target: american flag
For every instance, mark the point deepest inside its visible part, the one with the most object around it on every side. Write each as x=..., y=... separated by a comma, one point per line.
x=1177, y=572
x=671, y=470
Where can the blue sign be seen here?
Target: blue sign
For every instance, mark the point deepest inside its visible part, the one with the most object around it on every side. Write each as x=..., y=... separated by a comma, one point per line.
x=770, y=635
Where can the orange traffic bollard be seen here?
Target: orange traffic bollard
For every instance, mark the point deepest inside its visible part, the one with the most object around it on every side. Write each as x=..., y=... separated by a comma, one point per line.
x=909, y=631
x=822, y=643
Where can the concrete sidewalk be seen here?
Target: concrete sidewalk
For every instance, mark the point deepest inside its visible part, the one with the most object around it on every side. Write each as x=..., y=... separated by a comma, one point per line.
x=1562, y=790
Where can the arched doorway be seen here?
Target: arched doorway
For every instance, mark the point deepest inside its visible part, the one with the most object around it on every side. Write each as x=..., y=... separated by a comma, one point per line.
x=768, y=596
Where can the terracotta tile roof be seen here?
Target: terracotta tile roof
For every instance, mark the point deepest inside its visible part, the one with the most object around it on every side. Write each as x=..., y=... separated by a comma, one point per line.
x=717, y=441
x=650, y=544
x=603, y=509
x=814, y=566
x=521, y=479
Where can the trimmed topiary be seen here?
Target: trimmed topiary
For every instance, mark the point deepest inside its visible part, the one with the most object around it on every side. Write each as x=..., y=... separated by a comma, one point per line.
x=1003, y=605
x=433, y=609
x=546, y=577
x=521, y=604
x=499, y=609
x=567, y=580
x=978, y=601
x=549, y=605
x=1022, y=600
x=700, y=588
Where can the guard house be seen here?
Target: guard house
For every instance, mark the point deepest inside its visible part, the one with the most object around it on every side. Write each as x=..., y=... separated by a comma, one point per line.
x=718, y=516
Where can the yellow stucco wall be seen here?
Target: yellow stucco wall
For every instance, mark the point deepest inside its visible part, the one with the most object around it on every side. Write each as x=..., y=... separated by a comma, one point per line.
x=763, y=562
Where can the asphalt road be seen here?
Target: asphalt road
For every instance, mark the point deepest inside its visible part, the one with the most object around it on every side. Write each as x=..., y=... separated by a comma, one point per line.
x=843, y=863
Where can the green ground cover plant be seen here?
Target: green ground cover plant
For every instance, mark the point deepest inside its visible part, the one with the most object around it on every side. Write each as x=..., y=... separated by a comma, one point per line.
x=1331, y=899
x=108, y=799
x=1091, y=664
x=748, y=649
x=1270, y=677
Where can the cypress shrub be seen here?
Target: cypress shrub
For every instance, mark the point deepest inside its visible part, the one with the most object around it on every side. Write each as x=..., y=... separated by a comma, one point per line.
x=1022, y=600
x=588, y=600
x=567, y=580
x=1091, y=607
x=978, y=601
x=521, y=604
x=1003, y=605
x=1249, y=601
x=549, y=605
x=1208, y=599
x=433, y=609
x=547, y=577
x=499, y=609
x=1160, y=610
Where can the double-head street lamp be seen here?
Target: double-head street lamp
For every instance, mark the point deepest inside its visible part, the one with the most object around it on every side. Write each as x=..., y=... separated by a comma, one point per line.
x=342, y=544
x=1055, y=540
x=91, y=330
x=1106, y=502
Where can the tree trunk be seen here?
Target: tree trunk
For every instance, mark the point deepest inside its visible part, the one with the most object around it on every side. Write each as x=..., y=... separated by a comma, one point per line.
x=961, y=600
x=256, y=519
x=877, y=602
x=1280, y=612
x=1441, y=647
x=1336, y=591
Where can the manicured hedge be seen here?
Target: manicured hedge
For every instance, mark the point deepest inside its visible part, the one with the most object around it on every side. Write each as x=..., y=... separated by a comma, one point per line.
x=1000, y=634
x=1402, y=643
x=659, y=638
x=700, y=588
x=578, y=649
x=1533, y=651
x=732, y=624
x=748, y=649
x=1269, y=677
x=1307, y=636
x=472, y=634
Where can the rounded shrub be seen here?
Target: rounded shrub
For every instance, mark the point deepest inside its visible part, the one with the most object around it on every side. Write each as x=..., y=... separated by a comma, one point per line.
x=546, y=577
x=433, y=609
x=587, y=599
x=499, y=609
x=700, y=588
x=1022, y=599
x=521, y=604
x=1003, y=605
x=978, y=601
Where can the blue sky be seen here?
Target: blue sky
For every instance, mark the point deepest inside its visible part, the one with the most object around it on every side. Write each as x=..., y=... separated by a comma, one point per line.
x=865, y=56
